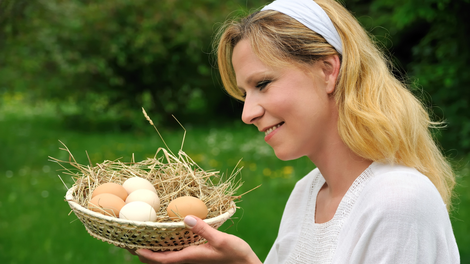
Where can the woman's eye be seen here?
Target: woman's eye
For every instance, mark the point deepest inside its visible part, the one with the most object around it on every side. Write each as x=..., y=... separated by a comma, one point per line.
x=261, y=85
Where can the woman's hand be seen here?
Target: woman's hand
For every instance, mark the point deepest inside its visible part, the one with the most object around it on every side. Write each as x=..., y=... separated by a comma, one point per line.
x=220, y=248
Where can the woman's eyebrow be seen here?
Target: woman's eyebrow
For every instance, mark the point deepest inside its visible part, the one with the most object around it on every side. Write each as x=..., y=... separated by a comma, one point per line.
x=264, y=74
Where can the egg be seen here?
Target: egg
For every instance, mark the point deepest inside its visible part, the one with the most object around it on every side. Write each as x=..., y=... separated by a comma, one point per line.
x=112, y=188
x=137, y=183
x=107, y=204
x=187, y=205
x=145, y=196
x=138, y=211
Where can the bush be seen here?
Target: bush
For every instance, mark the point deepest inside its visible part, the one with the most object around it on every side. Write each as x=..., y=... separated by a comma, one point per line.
x=117, y=56
x=108, y=58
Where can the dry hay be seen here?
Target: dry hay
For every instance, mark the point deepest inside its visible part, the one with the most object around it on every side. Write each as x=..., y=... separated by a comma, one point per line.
x=173, y=176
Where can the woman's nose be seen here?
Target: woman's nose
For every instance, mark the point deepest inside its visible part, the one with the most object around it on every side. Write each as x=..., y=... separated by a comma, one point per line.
x=252, y=110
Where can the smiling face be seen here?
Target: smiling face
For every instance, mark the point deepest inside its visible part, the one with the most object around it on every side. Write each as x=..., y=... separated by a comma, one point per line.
x=293, y=107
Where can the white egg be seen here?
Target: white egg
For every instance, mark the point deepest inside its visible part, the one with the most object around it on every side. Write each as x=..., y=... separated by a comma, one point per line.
x=146, y=196
x=138, y=211
x=137, y=183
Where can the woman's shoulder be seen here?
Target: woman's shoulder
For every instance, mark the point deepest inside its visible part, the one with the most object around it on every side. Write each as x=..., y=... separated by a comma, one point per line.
x=399, y=179
x=399, y=217
x=401, y=189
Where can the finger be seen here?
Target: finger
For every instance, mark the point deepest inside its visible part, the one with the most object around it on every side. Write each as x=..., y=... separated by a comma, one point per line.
x=132, y=251
x=192, y=254
x=187, y=255
x=144, y=253
x=201, y=228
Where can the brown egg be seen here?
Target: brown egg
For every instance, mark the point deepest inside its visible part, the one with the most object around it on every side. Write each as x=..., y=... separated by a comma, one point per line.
x=107, y=204
x=112, y=188
x=187, y=205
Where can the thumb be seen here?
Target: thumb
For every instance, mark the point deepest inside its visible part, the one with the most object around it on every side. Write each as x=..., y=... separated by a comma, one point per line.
x=201, y=228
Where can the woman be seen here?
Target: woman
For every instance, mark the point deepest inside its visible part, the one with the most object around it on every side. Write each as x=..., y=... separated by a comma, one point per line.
x=314, y=83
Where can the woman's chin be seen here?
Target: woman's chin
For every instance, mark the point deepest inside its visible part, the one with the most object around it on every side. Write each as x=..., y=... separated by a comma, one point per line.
x=285, y=156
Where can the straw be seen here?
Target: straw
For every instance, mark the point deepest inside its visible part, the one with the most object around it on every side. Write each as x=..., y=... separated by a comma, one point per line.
x=172, y=175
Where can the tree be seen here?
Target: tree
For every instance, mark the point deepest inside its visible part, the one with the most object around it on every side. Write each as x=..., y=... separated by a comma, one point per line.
x=428, y=42
x=109, y=58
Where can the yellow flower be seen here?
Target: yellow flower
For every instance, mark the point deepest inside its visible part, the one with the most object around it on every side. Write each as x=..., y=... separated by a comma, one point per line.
x=198, y=157
x=287, y=170
x=213, y=163
x=252, y=166
x=267, y=172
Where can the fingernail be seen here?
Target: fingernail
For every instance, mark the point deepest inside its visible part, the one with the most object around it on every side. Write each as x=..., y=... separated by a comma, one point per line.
x=190, y=221
x=137, y=252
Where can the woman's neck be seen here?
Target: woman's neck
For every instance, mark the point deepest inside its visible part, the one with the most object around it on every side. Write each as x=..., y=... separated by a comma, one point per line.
x=340, y=166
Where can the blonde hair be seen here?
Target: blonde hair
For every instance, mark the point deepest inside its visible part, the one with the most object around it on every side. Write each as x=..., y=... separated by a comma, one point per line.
x=379, y=118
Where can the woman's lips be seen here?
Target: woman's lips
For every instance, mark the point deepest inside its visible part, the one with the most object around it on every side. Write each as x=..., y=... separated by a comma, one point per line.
x=269, y=132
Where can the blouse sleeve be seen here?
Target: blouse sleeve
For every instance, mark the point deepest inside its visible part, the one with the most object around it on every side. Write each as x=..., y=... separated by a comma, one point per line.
x=400, y=218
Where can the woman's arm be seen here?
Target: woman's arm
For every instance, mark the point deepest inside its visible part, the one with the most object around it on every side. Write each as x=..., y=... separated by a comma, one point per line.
x=220, y=248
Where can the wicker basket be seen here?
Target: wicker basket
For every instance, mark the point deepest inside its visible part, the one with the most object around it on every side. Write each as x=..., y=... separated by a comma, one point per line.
x=134, y=235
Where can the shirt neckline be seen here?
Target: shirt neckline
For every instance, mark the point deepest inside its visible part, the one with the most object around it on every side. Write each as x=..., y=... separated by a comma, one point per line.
x=348, y=199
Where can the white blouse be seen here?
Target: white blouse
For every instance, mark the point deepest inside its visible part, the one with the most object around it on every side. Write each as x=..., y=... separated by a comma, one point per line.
x=390, y=214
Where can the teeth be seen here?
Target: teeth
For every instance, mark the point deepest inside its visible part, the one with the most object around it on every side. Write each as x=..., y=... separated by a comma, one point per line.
x=271, y=129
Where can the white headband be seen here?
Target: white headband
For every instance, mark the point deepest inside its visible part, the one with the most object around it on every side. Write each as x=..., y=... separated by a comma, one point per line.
x=312, y=16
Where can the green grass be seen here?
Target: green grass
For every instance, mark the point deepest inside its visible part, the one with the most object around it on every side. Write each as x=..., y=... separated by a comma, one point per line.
x=34, y=223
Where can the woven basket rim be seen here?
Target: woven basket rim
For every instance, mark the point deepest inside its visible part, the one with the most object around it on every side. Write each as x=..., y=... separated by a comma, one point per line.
x=74, y=205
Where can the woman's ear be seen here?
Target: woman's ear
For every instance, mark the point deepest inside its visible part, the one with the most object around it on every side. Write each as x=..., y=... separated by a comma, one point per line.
x=330, y=66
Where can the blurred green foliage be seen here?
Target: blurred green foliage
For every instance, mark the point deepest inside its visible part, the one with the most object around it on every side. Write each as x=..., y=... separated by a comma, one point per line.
x=102, y=60
x=428, y=41
x=105, y=58
x=97, y=62
x=34, y=222
x=35, y=226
